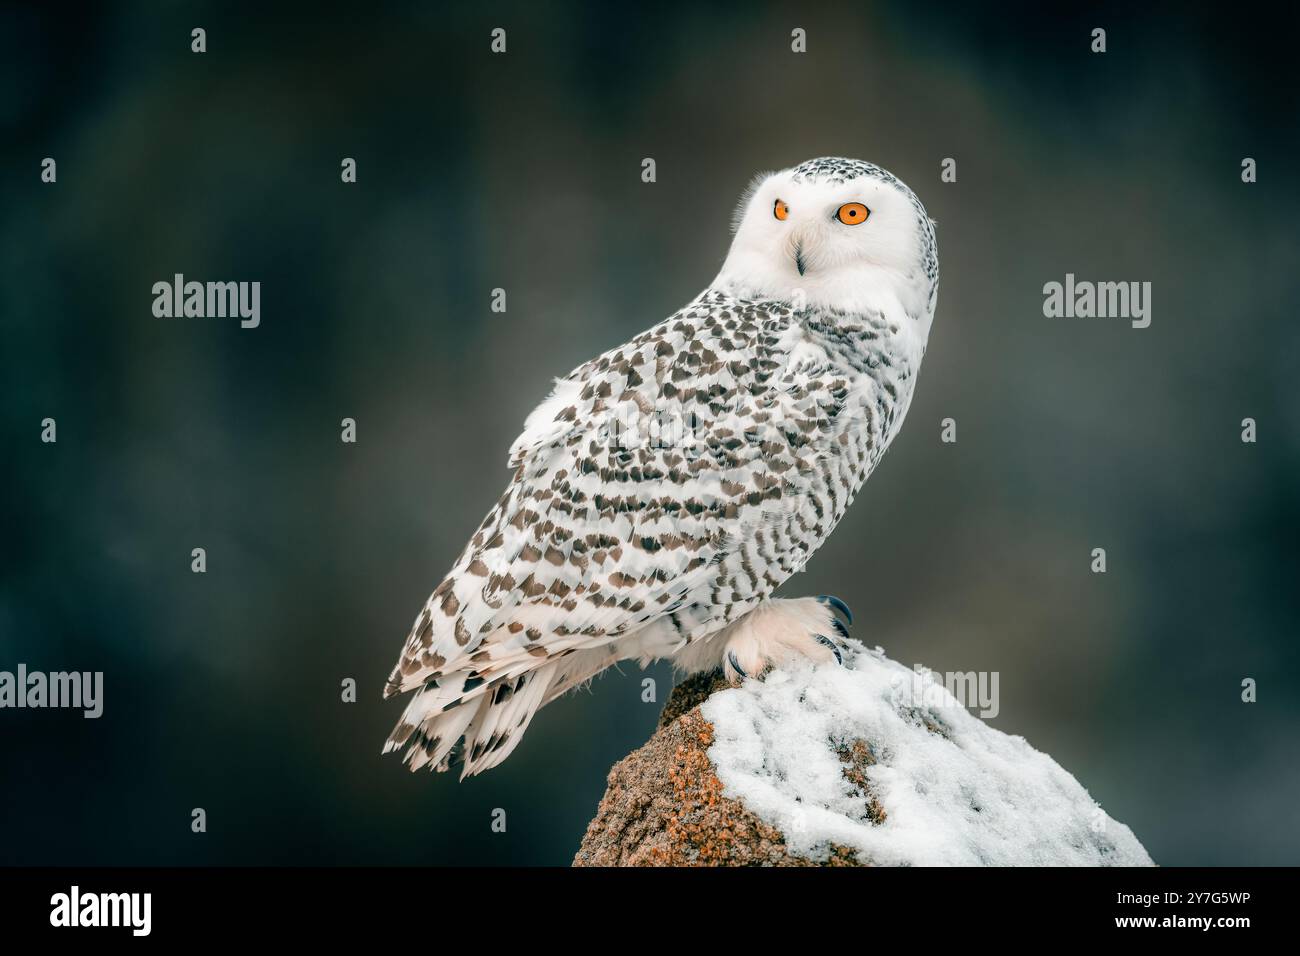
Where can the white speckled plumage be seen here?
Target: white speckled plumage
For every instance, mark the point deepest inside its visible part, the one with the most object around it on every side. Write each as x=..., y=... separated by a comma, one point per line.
x=666, y=488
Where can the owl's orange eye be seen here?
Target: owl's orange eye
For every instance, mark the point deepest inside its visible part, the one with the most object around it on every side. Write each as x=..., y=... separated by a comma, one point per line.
x=852, y=213
x=780, y=210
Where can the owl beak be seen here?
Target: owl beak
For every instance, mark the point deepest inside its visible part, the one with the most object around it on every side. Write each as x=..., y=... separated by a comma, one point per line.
x=799, y=262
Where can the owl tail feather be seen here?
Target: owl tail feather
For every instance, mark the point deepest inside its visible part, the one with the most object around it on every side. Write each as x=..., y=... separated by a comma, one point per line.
x=492, y=720
x=490, y=714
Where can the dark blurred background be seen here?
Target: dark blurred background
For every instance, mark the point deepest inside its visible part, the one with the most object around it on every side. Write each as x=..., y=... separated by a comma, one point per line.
x=522, y=171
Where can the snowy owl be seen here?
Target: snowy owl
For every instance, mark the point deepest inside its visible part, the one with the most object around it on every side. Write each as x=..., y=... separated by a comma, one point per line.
x=665, y=489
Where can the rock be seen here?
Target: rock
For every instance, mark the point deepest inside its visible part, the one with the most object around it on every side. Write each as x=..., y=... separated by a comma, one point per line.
x=810, y=767
x=665, y=806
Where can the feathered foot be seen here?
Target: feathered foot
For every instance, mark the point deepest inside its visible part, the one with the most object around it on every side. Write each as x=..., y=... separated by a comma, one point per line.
x=779, y=630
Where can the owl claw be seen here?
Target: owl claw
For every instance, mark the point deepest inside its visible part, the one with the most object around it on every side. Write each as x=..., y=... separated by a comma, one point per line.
x=823, y=639
x=735, y=665
x=831, y=601
x=839, y=626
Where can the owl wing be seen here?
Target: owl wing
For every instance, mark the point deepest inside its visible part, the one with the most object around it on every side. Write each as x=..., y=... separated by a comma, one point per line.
x=643, y=469
x=640, y=470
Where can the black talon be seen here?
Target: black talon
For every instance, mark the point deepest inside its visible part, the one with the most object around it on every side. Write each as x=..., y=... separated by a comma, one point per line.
x=823, y=639
x=832, y=601
x=735, y=664
x=839, y=626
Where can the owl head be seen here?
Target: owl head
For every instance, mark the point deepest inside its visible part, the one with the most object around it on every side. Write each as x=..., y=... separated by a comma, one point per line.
x=838, y=234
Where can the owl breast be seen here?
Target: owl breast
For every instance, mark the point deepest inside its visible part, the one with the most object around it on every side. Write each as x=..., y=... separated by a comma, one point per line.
x=838, y=393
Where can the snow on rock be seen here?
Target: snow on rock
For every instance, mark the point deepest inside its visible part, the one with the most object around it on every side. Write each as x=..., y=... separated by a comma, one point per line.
x=951, y=789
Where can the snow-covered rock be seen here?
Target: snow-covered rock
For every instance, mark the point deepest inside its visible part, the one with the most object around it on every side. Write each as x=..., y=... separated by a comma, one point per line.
x=954, y=790
x=868, y=763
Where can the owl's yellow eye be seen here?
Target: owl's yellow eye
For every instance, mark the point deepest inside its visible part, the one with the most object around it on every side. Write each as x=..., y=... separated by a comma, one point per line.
x=852, y=213
x=780, y=210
